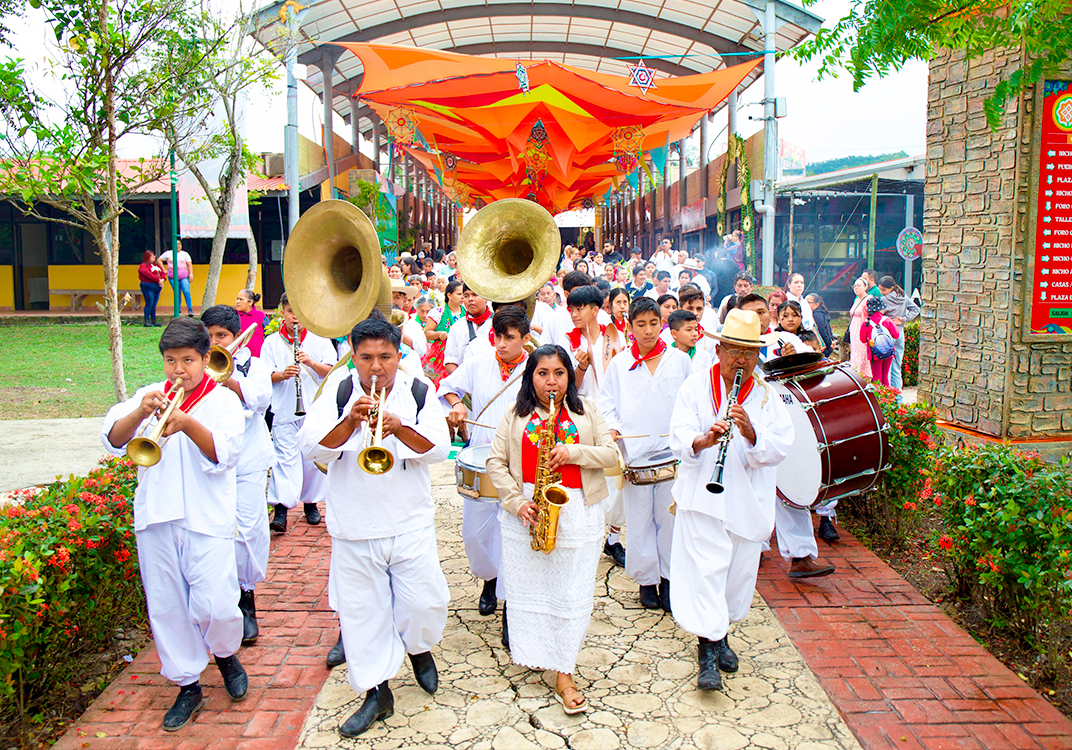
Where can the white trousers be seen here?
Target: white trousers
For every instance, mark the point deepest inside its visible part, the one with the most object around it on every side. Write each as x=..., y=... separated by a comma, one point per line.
x=796, y=537
x=613, y=507
x=294, y=477
x=391, y=598
x=651, y=531
x=253, y=538
x=191, y=593
x=712, y=575
x=830, y=511
x=482, y=535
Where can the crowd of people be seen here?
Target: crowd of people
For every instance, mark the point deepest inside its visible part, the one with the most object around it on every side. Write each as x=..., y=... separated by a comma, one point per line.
x=628, y=383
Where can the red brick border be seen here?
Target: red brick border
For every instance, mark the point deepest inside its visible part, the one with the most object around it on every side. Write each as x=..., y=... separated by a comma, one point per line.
x=899, y=670
x=286, y=669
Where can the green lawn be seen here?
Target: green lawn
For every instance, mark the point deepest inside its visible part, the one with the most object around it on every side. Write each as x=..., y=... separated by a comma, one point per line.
x=60, y=370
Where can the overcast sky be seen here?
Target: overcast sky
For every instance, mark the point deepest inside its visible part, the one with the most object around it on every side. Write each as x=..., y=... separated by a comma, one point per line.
x=825, y=118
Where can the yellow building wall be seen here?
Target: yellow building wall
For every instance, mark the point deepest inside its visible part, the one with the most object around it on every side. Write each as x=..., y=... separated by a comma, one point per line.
x=232, y=278
x=7, y=288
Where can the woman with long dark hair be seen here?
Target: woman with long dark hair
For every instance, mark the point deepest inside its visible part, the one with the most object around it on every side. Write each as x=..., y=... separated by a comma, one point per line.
x=821, y=316
x=551, y=594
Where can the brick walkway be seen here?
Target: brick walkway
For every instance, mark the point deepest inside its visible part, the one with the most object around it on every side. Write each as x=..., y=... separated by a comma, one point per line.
x=899, y=670
x=285, y=666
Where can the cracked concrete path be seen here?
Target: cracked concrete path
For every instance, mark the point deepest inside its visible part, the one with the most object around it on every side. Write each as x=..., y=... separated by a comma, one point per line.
x=637, y=669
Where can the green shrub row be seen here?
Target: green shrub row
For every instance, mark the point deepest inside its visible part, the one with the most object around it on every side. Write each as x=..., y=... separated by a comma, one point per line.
x=910, y=363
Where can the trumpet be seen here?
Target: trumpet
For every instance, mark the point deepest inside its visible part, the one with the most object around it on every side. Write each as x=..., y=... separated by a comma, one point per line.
x=145, y=450
x=374, y=458
x=220, y=365
x=299, y=404
x=715, y=485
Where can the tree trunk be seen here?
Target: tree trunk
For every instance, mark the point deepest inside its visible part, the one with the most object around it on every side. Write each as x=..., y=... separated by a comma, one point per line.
x=110, y=249
x=251, y=274
x=223, y=225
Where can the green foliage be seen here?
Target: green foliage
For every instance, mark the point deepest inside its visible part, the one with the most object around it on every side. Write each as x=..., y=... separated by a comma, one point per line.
x=879, y=37
x=847, y=162
x=1008, y=537
x=68, y=577
x=910, y=363
x=366, y=196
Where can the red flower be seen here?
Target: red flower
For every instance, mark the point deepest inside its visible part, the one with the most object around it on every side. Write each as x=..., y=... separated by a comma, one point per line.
x=945, y=542
x=969, y=500
x=74, y=525
x=909, y=505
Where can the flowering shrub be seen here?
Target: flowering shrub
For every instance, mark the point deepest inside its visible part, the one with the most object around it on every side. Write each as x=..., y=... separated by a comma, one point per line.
x=68, y=576
x=910, y=363
x=1008, y=534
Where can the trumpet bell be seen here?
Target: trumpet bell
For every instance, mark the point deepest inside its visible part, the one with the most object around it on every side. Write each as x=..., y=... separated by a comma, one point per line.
x=376, y=459
x=220, y=365
x=144, y=451
x=508, y=250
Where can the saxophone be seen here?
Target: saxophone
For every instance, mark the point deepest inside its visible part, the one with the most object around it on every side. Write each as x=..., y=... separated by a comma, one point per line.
x=547, y=493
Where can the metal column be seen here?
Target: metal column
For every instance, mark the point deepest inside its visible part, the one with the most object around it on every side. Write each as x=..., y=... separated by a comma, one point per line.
x=770, y=140
x=327, y=69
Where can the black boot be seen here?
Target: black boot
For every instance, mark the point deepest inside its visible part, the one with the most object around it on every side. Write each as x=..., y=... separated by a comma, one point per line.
x=379, y=704
x=187, y=705
x=488, y=602
x=664, y=595
x=727, y=660
x=506, y=631
x=709, y=677
x=312, y=514
x=424, y=669
x=279, y=521
x=235, y=680
x=337, y=655
x=827, y=532
x=649, y=597
x=248, y=605
x=615, y=552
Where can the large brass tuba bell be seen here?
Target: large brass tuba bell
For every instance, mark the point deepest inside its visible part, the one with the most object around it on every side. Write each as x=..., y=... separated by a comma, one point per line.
x=509, y=250
x=333, y=269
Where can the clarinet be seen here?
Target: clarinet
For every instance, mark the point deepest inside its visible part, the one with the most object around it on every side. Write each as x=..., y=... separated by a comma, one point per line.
x=299, y=404
x=715, y=485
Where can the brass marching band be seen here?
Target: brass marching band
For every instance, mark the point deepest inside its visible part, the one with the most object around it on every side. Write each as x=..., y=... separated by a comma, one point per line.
x=606, y=422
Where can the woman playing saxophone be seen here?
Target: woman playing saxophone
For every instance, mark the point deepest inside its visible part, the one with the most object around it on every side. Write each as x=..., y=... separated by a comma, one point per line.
x=540, y=451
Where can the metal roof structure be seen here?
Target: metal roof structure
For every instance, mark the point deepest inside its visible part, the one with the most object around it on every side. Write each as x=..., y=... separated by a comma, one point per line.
x=904, y=175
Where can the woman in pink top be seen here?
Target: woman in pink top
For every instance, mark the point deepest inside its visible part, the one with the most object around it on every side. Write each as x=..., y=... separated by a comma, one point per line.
x=246, y=305
x=880, y=368
x=859, y=355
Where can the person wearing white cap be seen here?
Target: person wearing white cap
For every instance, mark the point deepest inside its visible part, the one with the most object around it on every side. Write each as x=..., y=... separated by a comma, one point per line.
x=718, y=536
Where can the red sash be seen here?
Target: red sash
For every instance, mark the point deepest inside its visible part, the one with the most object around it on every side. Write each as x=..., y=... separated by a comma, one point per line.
x=659, y=348
x=716, y=390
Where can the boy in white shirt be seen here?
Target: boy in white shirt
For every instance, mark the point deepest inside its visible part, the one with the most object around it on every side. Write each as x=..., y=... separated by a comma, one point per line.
x=585, y=343
x=470, y=335
x=385, y=580
x=251, y=381
x=685, y=334
x=294, y=477
x=184, y=519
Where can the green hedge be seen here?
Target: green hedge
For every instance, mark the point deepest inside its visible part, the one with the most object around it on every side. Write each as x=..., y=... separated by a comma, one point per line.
x=910, y=365
x=68, y=578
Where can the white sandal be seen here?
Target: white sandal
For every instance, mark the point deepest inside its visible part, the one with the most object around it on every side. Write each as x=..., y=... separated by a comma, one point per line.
x=578, y=709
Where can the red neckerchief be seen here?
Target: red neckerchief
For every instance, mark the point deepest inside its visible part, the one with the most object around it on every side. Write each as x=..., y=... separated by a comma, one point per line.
x=194, y=397
x=506, y=368
x=716, y=389
x=659, y=348
x=619, y=324
x=286, y=334
x=700, y=329
x=574, y=336
x=479, y=320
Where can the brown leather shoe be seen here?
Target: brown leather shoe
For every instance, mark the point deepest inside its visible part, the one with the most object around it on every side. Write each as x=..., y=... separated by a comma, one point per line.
x=807, y=567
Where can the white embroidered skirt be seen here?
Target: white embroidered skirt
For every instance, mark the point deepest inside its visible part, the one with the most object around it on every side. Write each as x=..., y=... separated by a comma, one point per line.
x=550, y=596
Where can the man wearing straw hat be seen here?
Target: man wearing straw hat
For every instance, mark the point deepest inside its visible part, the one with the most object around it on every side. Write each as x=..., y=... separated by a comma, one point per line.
x=718, y=536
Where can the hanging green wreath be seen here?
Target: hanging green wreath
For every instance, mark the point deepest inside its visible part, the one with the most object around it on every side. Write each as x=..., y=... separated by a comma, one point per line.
x=736, y=152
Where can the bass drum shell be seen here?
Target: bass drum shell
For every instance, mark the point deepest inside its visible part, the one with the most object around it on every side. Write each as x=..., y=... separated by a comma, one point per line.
x=840, y=446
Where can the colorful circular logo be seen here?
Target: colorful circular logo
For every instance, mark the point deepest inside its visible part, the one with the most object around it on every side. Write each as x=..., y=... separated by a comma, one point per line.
x=1062, y=112
x=910, y=243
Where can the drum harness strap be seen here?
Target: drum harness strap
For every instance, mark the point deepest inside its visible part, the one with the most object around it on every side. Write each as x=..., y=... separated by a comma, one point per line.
x=418, y=388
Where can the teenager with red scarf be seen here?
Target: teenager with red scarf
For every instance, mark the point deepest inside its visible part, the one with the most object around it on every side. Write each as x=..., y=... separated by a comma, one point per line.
x=637, y=399
x=588, y=348
x=184, y=518
x=492, y=380
x=718, y=537
x=468, y=336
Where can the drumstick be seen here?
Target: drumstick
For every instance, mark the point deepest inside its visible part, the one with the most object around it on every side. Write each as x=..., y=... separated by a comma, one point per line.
x=628, y=437
x=479, y=424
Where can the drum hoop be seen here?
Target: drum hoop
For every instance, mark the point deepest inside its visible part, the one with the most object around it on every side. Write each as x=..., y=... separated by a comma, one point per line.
x=632, y=473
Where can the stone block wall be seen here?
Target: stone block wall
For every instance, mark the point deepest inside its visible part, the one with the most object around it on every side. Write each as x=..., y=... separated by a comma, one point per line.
x=975, y=366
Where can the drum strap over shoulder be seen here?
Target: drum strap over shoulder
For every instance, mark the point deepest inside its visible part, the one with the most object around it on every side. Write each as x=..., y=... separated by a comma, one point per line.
x=502, y=390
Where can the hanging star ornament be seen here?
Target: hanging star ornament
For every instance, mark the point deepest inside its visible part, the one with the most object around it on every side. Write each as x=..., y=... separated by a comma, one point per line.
x=522, y=74
x=642, y=76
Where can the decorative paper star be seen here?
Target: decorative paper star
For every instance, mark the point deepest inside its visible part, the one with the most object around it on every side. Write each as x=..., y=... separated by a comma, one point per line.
x=522, y=77
x=642, y=76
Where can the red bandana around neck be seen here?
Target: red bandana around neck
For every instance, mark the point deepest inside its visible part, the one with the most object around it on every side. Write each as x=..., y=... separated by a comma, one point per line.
x=284, y=331
x=575, y=335
x=507, y=368
x=194, y=397
x=619, y=324
x=716, y=389
x=634, y=349
x=479, y=319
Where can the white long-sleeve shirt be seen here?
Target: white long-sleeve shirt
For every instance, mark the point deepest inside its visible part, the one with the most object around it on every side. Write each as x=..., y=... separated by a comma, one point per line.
x=255, y=378
x=593, y=376
x=638, y=402
x=459, y=345
x=367, y=506
x=186, y=488
x=278, y=353
x=480, y=378
x=746, y=506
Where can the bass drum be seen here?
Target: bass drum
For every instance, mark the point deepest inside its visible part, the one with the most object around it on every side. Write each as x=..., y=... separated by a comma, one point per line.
x=840, y=446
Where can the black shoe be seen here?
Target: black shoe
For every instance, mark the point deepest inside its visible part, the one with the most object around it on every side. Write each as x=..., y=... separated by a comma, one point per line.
x=615, y=552
x=664, y=595
x=649, y=597
x=424, y=669
x=235, y=680
x=379, y=704
x=709, y=678
x=186, y=707
x=488, y=602
x=146, y=324
x=248, y=605
x=337, y=655
x=727, y=660
x=827, y=532
x=312, y=514
x=279, y=520
x=506, y=631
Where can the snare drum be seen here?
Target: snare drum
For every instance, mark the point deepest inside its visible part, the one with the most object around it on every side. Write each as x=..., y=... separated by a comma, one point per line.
x=470, y=472
x=665, y=471
x=840, y=446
